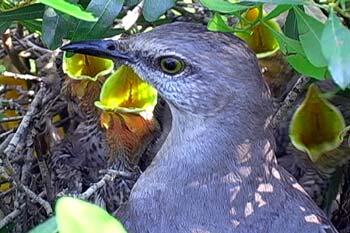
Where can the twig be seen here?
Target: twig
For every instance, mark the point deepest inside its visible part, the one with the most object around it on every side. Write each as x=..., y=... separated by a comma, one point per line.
x=13, y=54
x=10, y=119
x=111, y=174
x=23, y=127
x=131, y=17
x=37, y=199
x=289, y=100
x=34, y=46
x=6, y=134
x=96, y=186
x=22, y=76
x=10, y=217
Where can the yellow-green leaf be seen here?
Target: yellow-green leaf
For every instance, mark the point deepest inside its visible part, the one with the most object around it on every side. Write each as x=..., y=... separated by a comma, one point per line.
x=317, y=125
x=80, y=66
x=124, y=92
x=74, y=215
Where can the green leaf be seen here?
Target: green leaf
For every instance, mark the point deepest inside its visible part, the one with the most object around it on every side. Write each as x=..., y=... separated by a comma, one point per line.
x=219, y=24
x=290, y=2
x=335, y=47
x=153, y=9
x=70, y=9
x=106, y=11
x=276, y=12
x=31, y=25
x=74, y=215
x=287, y=45
x=131, y=2
x=300, y=63
x=2, y=69
x=317, y=126
x=54, y=28
x=49, y=226
x=224, y=6
x=310, y=32
x=290, y=28
x=4, y=26
x=296, y=56
x=33, y=11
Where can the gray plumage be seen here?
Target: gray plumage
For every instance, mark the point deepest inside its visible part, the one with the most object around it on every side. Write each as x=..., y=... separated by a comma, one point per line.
x=216, y=171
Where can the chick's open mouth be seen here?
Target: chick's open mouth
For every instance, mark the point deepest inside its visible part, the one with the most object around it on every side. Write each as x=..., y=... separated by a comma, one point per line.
x=125, y=92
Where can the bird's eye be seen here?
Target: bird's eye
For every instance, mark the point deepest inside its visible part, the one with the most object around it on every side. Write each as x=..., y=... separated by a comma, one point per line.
x=171, y=65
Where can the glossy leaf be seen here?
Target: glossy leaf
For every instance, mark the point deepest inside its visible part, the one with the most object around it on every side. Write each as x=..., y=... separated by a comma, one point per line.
x=32, y=25
x=317, y=125
x=80, y=66
x=224, y=6
x=277, y=11
x=2, y=69
x=153, y=9
x=290, y=2
x=310, y=32
x=70, y=9
x=4, y=26
x=105, y=11
x=131, y=2
x=219, y=24
x=74, y=215
x=49, y=226
x=296, y=56
x=124, y=92
x=34, y=11
x=335, y=47
x=290, y=28
x=302, y=65
x=54, y=28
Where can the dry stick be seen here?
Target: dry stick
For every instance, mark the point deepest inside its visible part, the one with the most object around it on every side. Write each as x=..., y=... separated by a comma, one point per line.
x=37, y=199
x=5, y=134
x=289, y=101
x=106, y=178
x=13, y=54
x=11, y=216
x=23, y=127
x=21, y=76
x=36, y=47
x=10, y=119
x=129, y=20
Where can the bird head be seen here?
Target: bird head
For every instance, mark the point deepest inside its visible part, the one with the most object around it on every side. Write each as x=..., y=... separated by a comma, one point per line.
x=194, y=70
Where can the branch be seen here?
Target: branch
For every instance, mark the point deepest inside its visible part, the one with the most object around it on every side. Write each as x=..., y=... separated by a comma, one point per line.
x=288, y=102
x=10, y=119
x=23, y=127
x=21, y=76
x=129, y=20
x=37, y=199
x=111, y=174
x=11, y=216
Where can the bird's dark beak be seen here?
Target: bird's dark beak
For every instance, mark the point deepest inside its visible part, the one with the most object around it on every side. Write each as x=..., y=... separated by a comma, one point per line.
x=99, y=48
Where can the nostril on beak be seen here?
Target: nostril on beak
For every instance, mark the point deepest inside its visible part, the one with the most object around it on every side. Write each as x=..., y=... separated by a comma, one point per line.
x=111, y=47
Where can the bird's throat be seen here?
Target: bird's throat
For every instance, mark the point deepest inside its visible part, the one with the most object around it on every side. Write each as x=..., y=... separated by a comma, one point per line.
x=200, y=147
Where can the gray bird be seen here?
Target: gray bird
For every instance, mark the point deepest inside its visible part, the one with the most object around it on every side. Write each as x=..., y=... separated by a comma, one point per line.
x=216, y=171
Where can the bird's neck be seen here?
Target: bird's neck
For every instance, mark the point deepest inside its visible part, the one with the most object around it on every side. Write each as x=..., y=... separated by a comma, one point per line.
x=203, y=147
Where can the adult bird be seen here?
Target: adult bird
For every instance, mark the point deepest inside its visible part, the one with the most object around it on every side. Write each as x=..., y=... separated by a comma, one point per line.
x=216, y=171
